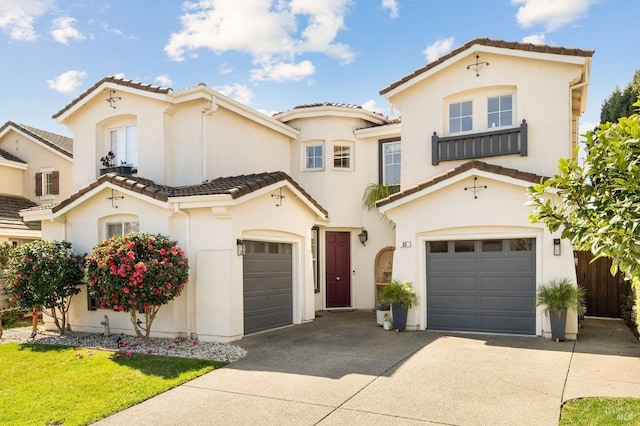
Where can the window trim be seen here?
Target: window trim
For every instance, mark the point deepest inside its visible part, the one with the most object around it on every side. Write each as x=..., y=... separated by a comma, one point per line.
x=311, y=144
x=460, y=117
x=513, y=117
x=381, y=144
x=350, y=146
x=315, y=258
x=110, y=148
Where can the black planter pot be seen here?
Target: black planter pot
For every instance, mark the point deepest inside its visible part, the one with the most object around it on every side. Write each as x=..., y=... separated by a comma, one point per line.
x=558, y=324
x=121, y=170
x=399, y=315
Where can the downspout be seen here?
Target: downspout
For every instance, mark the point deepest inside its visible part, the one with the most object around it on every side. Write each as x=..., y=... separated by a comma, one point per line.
x=214, y=108
x=176, y=210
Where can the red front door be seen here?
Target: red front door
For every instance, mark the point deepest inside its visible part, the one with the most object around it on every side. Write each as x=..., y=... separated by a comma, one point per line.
x=338, y=268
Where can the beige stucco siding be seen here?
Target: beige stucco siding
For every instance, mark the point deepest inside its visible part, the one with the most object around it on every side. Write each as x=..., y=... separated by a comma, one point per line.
x=11, y=181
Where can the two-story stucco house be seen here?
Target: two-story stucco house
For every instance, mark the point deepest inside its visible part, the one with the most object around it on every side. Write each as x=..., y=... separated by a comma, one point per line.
x=268, y=209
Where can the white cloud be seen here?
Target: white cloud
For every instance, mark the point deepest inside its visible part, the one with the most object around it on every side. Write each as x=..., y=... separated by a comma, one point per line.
x=273, y=32
x=63, y=30
x=283, y=71
x=225, y=68
x=239, y=92
x=370, y=105
x=118, y=75
x=106, y=27
x=439, y=48
x=18, y=16
x=535, y=39
x=392, y=5
x=552, y=14
x=164, y=80
x=67, y=82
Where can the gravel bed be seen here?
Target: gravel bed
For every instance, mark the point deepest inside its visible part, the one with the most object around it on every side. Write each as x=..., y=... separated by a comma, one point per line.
x=128, y=345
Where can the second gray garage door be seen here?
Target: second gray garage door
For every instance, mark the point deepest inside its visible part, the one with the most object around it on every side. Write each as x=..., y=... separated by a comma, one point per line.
x=482, y=285
x=268, y=295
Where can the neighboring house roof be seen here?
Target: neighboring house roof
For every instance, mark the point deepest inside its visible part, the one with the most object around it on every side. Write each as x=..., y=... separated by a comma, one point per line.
x=10, y=206
x=116, y=80
x=8, y=156
x=234, y=186
x=477, y=165
x=62, y=144
x=527, y=47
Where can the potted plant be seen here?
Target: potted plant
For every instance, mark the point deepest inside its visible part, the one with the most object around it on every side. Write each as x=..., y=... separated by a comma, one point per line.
x=382, y=308
x=558, y=296
x=386, y=324
x=111, y=165
x=401, y=296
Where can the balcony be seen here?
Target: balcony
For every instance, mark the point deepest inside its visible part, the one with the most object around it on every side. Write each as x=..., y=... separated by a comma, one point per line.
x=479, y=145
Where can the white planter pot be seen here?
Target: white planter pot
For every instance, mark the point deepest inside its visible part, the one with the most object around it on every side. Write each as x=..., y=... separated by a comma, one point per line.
x=387, y=325
x=380, y=316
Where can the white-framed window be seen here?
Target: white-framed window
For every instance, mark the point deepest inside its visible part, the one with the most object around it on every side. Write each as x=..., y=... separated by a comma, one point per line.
x=343, y=156
x=500, y=111
x=390, y=161
x=314, y=156
x=123, y=142
x=47, y=183
x=461, y=117
x=121, y=228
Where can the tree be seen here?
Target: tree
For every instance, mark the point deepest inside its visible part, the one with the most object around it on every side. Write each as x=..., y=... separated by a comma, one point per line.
x=44, y=274
x=598, y=202
x=375, y=192
x=137, y=273
x=620, y=102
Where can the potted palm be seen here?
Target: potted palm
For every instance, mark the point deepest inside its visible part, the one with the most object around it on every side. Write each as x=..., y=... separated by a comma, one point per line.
x=110, y=165
x=558, y=296
x=382, y=308
x=401, y=296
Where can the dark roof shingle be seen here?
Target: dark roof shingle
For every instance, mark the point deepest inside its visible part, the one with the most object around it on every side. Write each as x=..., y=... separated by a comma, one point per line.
x=10, y=206
x=478, y=165
x=8, y=156
x=514, y=45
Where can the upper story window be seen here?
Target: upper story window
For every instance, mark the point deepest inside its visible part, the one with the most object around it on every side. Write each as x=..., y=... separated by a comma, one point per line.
x=500, y=111
x=461, y=117
x=390, y=160
x=47, y=183
x=314, y=157
x=342, y=156
x=124, y=144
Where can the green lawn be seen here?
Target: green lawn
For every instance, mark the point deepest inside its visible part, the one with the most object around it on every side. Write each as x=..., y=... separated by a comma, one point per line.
x=42, y=384
x=601, y=411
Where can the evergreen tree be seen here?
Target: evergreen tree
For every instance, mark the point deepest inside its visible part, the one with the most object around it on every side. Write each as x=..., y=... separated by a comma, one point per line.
x=620, y=102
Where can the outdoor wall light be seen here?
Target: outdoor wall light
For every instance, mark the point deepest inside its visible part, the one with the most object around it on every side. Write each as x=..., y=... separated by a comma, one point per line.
x=363, y=236
x=556, y=247
x=240, y=246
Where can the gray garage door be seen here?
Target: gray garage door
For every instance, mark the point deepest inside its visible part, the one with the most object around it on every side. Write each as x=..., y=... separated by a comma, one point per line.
x=268, y=297
x=482, y=285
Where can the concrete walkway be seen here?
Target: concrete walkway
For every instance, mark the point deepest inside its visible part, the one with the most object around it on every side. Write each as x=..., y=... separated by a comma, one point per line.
x=343, y=369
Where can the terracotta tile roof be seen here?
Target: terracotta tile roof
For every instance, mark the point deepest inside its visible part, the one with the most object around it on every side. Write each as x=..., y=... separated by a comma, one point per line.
x=235, y=186
x=478, y=165
x=62, y=144
x=8, y=156
x=527, y=47
x=115, y=80
x=10, y=206
x=331, y=104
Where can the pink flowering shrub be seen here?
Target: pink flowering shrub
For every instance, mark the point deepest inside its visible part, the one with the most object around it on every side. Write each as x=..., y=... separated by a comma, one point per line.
x=137, y=273
x=44, y=274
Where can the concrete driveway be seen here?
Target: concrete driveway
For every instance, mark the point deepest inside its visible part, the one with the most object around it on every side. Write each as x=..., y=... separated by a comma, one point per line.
x=344, y=369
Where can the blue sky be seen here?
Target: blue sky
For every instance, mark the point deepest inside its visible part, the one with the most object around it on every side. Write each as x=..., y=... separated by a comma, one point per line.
x=275, y=54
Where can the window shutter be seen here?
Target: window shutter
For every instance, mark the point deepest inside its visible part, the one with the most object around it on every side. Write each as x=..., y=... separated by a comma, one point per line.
x=38, y=184
x=55, y=183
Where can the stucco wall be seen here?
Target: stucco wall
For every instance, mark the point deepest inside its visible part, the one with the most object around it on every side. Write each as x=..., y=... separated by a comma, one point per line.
x=541, y=95
x=12, y=181
x=451, y=213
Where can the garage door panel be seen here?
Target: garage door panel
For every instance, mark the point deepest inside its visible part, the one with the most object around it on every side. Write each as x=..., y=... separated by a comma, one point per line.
x=451, y=301
x=267, y=286
x=507, y=283
x=486, y=291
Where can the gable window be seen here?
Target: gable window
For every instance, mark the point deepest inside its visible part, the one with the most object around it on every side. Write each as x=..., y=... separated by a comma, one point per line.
x=121, y=228
x=314, y=157
x=124, y=144
x=47, y=183
x=500, y=111
x=461, y=117
x=342, y=156
x=390, y=159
